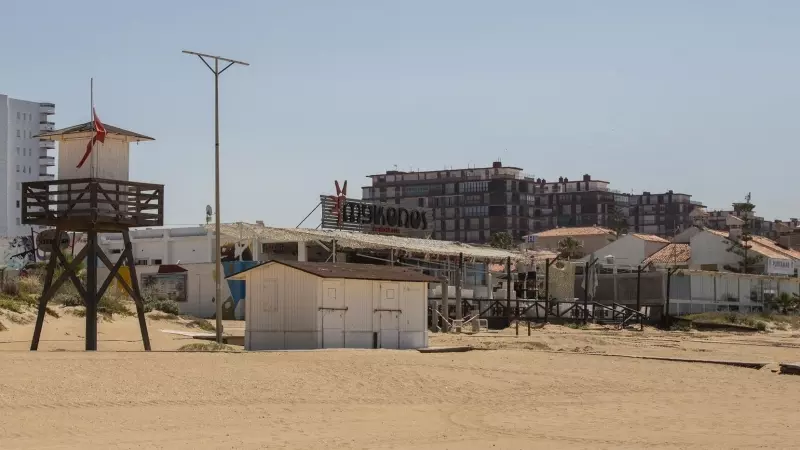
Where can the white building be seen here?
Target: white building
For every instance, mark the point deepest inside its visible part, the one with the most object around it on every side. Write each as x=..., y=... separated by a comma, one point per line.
x=23, y=157
x=631, y=249
x=156, y=246
x=305, y=305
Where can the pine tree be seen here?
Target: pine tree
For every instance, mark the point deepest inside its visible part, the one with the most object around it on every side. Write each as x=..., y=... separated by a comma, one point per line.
x=742, y=246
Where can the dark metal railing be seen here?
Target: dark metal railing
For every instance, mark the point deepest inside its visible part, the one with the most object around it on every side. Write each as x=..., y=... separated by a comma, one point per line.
x=92, y=203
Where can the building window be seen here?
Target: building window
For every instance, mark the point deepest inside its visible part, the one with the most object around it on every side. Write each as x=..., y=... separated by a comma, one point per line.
x=19, y=186
x=17, y=167
x=18, y=221
x=17, y=203
x=474, y=186
x=157, y=262
x=475, y=211
x=18, y=133
x=17, y=115
x=141, y=262
x=116, y=251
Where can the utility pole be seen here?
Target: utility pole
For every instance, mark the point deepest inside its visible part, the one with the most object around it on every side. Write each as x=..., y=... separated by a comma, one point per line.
x=217, y=72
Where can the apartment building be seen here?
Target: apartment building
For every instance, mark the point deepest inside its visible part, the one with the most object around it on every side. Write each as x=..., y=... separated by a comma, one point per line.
x=23, y=157
x=665, y=214
x=717, y=220
x=471, y=204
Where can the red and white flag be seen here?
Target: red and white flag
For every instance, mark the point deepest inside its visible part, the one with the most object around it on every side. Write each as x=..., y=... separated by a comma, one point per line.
x=99, y=136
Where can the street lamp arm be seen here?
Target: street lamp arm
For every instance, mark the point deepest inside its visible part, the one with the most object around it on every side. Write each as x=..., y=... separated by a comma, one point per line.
x=233, y=61
x=225, y=68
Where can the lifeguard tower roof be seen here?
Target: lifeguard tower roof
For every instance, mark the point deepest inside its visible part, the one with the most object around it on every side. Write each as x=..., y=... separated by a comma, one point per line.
x=88, y=127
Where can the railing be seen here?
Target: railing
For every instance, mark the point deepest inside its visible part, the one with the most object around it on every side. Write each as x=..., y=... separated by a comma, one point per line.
x=47, y=144
x=92, y=203
x=47, y=161
x=47, y=176
x=47, y=126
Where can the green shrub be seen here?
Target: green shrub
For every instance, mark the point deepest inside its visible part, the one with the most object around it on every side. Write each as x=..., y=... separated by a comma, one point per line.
x=11, y=305
x=165, y=306
x=112, y=304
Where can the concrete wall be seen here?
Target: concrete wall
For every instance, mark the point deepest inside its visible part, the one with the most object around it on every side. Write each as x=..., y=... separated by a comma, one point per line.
x=621, y=288
x=693, y=293
x=200, y=290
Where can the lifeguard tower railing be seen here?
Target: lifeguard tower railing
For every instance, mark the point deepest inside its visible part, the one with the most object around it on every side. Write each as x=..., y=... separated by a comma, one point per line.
x=92, y=203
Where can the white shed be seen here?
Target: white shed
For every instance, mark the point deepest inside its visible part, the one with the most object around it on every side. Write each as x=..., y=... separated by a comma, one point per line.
x=307, y=305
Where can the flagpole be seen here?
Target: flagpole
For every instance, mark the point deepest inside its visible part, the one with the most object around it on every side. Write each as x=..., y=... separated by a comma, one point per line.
x=91, y=120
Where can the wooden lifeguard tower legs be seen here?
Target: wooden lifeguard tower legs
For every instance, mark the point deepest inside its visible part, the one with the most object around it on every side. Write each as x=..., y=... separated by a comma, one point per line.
x=90, y=293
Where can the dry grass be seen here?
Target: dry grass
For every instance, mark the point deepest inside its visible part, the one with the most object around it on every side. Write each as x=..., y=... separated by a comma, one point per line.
x=203, y=324
x=162, y=316
x=754, y=321
x=2, y=327
x=207, y=347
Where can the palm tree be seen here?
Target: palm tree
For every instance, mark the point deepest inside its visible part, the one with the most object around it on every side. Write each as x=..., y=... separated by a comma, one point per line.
x=786, y=303
x=570, y=248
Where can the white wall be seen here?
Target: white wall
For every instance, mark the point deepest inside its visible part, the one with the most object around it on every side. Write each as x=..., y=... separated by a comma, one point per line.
x=188, y=245
x=200, y=289
x=627, y=250
x=708, y=248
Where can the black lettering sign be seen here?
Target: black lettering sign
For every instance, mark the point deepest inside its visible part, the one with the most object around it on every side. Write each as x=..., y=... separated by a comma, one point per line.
x=380, y=216
x=402, y=217
x=391, y=217
x=383, y=218
x=416, y=219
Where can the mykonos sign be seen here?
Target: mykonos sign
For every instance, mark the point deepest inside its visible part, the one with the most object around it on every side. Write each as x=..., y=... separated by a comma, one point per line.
x=340, y=212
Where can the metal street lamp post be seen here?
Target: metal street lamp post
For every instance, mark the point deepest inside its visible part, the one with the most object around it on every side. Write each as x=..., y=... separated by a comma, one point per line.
x=217, y=72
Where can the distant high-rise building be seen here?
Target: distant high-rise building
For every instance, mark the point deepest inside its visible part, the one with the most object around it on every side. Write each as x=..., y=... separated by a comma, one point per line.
x=23, y=157
x=472, y=204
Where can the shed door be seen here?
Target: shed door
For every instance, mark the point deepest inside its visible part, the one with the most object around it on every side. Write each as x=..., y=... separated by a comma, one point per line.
x=333, y=312
x=390, y=315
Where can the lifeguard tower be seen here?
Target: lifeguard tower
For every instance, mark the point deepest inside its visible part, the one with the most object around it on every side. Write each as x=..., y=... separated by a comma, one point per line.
x=92, y=197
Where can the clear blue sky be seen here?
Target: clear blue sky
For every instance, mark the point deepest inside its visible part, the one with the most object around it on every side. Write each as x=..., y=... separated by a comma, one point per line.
x=698, y=97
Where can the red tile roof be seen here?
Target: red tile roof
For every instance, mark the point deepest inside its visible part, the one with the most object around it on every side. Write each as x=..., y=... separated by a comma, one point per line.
x=650, y=238
x=671, y=254
x=574, y=231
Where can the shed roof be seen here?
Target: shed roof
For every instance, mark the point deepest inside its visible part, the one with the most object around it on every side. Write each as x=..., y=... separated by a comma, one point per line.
x=350, y=271
x=574, y=231
x=671, y=254
x=356, y=240
x=88, y=127
x=650, y=238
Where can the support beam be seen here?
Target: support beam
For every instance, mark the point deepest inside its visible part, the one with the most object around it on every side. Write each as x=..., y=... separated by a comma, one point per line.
x=137, y=298
x=48, y=281
x=91, y=291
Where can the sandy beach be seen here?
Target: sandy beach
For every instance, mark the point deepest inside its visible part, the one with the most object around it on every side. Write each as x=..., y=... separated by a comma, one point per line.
x=549, y=390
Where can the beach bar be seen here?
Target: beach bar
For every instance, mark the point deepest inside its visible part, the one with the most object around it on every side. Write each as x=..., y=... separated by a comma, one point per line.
x=294, y=305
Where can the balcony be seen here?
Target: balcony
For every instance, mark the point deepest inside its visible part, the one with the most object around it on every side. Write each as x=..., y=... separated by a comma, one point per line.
x=47, y=108
x=47, y=126
x=48, y=161
x=47, y=144
x=46, y=176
